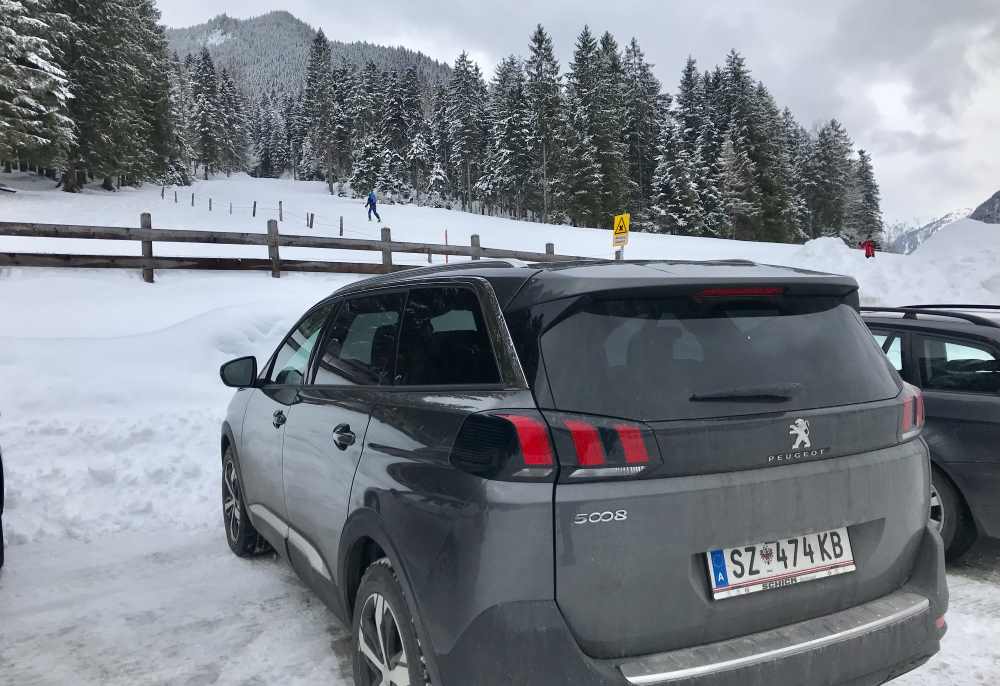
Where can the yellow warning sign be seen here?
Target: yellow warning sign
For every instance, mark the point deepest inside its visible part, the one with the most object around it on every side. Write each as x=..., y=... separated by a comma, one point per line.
x=622, y=222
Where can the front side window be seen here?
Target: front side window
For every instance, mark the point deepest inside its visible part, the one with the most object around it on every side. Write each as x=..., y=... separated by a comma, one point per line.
x=360, y=348
x=292, y=359
x=444, y=340
x=952, y=366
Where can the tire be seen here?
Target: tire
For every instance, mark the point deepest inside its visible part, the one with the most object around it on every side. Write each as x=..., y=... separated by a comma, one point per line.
x=380, y=594
x=241, y=535
x=951, y=515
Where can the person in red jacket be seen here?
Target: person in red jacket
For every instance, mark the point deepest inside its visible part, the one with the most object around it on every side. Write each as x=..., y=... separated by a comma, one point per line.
x=869, y=247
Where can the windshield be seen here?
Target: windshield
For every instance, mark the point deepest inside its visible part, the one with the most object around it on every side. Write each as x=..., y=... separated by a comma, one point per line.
x=677, y=358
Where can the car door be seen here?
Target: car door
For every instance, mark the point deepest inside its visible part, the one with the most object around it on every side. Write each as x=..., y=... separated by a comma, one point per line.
x=325, y=434
x=960, y=378
x=264, y=423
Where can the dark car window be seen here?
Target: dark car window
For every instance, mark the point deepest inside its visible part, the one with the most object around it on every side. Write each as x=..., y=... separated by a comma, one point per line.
x=677, y=358
x=360, y=347
x=292, y=358
x=444, y=340
x=949, y=365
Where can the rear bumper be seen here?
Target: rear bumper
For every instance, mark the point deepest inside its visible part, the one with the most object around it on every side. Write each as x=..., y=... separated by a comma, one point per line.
x=530, y=643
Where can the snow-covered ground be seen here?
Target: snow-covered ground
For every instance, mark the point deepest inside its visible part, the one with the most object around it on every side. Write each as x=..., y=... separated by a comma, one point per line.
x=110, y=408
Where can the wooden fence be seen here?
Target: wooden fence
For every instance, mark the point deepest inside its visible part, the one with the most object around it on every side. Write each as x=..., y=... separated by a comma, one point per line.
x=148, y=262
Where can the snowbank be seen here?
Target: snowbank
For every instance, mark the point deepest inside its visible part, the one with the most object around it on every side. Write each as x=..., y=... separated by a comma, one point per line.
x=110, y=401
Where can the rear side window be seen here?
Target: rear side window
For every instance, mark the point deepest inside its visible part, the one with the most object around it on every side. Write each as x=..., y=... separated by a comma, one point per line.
x=360, y=347
x=292, y=358
x=444, y=340
x=893, y=347
x=676, y=358
x=953, y=366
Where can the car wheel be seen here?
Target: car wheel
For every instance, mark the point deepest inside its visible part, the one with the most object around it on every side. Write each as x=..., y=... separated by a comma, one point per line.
x=387, y=651
x=950, y=516
x=242, y=537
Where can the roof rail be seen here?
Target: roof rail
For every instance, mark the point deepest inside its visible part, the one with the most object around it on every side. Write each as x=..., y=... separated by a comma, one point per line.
x=912, y=312
x=954, y=307
x=433, y=269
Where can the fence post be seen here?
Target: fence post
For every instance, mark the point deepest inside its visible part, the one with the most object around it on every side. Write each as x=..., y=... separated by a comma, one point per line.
x=163, y=192
x=550, y=248
x=209, y=204
x=428, y=256
x=175, y=196
x=281, y=213
x=230, y=208
x=386, y=247
x=254, y=213
x=619, y=254
x=146, y=222
x=476, y=250
x=341, y=225
x=272, y=248
x=192, y=200
x=312, y=219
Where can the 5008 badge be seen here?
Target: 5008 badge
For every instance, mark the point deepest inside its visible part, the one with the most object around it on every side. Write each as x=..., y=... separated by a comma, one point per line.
x=601, y=517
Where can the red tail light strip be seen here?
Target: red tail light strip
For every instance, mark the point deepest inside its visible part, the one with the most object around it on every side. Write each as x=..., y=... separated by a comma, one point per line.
x=587, y=441
x=534, y=438
x=632, y=441
x=741, y=292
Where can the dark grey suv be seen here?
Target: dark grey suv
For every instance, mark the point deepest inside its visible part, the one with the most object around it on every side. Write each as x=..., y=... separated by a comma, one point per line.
x=593, y=474
x=952, y=352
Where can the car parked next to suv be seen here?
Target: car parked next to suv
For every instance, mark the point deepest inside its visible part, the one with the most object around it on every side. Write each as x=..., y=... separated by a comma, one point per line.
x=952, y=352
x=594, y=474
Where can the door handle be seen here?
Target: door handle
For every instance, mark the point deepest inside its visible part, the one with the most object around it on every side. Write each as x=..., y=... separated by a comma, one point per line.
x=279, y=419
x=343, y=436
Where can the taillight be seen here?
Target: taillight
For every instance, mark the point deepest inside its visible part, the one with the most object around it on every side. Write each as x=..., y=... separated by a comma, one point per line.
x=740, y=292
x=912, y=420
x=505, y=446
x=597, y=448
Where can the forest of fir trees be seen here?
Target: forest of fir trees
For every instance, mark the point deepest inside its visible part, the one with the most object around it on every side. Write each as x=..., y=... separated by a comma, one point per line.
x=94, y=97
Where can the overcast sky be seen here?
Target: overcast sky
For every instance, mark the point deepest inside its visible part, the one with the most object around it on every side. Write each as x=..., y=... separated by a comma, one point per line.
x=917, y=82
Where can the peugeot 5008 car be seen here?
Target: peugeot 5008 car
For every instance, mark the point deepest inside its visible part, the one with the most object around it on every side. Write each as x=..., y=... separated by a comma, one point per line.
x=952, y=352
x=594, y=474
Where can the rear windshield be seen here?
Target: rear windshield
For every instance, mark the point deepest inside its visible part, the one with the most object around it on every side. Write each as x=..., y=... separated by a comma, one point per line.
x=676, y=358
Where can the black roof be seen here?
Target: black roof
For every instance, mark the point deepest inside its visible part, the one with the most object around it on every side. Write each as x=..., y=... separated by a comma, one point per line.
x=538, y=282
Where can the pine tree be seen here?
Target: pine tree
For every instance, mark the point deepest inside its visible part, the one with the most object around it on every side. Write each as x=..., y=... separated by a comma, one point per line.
x=208, y=114
x=466, y=118
x=34, y=91
x=509, y=164
x=609, y=120
x=740, y=196
x=544, y=101
x=864, y=220
x=643, y=115
x=829, y=172
x=233, y=127
x=676, y=206
x=690, y=105
x=181, y=106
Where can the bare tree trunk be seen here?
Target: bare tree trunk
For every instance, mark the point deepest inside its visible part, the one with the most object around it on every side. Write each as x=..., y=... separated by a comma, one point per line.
x=108, y=184
x=71, y=180
x=545, y=185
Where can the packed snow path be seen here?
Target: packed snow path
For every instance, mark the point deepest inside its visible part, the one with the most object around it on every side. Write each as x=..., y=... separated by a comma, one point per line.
x=163, y=607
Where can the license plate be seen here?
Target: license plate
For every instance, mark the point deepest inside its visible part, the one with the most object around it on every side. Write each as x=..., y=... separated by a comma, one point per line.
x=777, y=564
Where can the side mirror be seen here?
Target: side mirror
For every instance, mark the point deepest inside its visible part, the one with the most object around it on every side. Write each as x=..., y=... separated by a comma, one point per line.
x=239, y=373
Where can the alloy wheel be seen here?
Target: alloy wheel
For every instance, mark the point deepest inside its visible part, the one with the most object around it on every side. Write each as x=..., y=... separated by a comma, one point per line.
x=381, y=644
x=231, y=501
x=937, y=511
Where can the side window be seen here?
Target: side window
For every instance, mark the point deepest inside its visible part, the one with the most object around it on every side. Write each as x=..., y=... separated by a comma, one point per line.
x=444, y=340
x=894, y=349
x=360, y=348
x=952, y=366
x=290, y=362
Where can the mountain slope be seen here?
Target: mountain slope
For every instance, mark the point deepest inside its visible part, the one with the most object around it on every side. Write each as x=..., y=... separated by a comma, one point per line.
x=989, y=211
x=910, y=240
x=269, y=52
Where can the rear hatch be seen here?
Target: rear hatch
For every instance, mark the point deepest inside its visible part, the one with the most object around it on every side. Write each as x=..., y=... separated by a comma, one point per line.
x=714, y=419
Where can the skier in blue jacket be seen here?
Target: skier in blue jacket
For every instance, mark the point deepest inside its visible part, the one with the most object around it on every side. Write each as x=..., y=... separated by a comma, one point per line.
x=371, y=205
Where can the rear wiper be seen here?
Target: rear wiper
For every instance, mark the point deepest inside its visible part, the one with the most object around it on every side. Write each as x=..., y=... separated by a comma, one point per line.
x=770, y=393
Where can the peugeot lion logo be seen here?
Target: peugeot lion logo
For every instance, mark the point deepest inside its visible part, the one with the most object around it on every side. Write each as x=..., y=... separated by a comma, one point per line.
x=800, y=429
x=801, y=446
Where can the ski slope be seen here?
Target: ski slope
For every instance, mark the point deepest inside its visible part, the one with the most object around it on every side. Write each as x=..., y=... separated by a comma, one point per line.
x=110, y=407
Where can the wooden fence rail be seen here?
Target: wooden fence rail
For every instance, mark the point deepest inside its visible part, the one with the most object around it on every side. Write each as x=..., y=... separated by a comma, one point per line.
x=148, y=263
